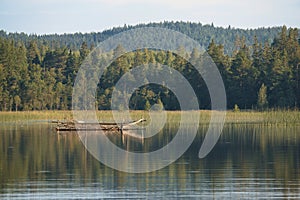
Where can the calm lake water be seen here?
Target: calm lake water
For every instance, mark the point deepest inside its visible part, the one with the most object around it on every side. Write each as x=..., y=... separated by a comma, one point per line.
x=249, y=161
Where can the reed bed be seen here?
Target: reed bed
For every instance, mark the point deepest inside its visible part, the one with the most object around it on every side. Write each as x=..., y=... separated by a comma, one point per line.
x=34, y=116
x=267, y=117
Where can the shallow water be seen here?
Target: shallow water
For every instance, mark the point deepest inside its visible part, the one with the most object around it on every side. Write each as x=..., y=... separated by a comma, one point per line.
x=249, y=161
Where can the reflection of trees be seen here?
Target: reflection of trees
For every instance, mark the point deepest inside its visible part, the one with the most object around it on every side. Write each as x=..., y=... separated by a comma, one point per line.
x=37, y=152
x=255, y=152
x=245, y=154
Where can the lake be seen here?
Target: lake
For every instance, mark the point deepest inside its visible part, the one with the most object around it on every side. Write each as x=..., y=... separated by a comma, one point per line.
x=249, y=161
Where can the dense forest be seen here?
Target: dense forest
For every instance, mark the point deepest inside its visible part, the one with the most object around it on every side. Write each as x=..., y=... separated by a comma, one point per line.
x=260, y=68
x=197, y=31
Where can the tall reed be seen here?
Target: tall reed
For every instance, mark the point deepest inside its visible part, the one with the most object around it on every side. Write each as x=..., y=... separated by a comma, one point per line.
x=266, y=117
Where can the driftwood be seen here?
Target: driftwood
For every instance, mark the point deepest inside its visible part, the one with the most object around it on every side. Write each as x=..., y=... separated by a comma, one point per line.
x=92, y=126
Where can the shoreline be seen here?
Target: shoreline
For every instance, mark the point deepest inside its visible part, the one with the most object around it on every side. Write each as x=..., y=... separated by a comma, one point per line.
x=263, y=117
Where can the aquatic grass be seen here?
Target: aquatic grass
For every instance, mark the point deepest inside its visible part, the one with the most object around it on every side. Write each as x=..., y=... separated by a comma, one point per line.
x=266, y=117
x=34, y=116
x=282, y=117
x=244, y=117
x=272, y=117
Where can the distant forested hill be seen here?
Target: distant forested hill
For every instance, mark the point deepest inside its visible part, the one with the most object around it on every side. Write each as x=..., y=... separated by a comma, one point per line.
x=260, y=68
x=199, y=32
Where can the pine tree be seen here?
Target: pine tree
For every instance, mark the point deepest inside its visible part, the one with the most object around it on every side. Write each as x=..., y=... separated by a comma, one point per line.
x=147, y=105
x=33, y=53
x=160, y=105
x=118, y=51
x=194, y=58
x=262, y=102
x=243, y=76
x=2, y=86
x=84, y=51
x=257, y=60
x=17, y=101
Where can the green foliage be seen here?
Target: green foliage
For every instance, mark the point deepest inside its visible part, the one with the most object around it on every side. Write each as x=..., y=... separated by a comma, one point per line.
x=159, y=105
x=37, y=73
x=262, y=101
x=17, y=101
x=147, y=105
x=236, y=108
x=200, y=32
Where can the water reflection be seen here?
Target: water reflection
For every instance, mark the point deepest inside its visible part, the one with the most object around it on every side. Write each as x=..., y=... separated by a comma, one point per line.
x=249, y=161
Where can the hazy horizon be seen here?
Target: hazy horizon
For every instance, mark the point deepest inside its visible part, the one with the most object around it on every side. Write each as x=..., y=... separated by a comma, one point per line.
x=133, y=25
x=85, y=16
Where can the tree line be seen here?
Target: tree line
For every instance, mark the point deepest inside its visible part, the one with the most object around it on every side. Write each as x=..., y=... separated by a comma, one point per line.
x=261, y=75
x=202, y=33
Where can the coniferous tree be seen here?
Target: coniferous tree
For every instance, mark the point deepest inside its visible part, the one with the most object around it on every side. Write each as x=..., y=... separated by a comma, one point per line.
x=262, y=102
x=33, y=53
x=40, y=74
x=84, y=51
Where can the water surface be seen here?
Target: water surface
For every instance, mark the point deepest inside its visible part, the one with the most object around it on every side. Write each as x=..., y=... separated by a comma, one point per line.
x=249, y=161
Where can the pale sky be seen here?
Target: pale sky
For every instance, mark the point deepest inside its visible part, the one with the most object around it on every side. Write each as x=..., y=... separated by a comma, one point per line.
x=69, y=16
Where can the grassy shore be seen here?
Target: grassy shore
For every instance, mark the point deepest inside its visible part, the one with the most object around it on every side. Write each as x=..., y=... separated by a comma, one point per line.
x=269, y=117
x=24, y=116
